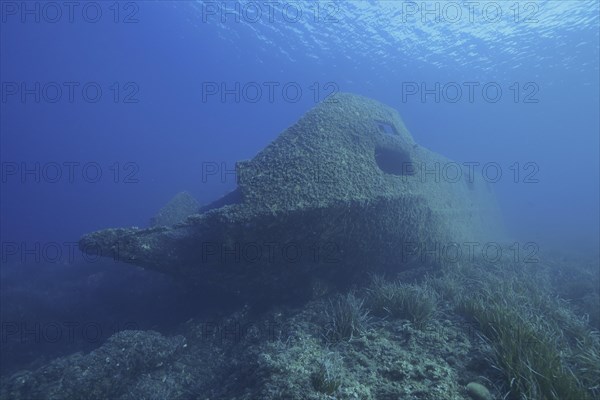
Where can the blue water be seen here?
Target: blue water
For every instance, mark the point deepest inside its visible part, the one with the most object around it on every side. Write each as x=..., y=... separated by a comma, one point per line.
x=170, y=54
x=163, y=90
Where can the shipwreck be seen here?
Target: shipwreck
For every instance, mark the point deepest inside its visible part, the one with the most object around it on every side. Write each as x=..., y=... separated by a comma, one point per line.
x=344, y=192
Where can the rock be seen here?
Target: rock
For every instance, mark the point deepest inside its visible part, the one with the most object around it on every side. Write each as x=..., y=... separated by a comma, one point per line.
x=478, y=392
x=343, y=192
x=117, y=366
x=181, y=206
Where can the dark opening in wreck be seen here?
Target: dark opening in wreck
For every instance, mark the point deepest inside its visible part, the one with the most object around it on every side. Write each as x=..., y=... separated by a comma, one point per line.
x=393, y=161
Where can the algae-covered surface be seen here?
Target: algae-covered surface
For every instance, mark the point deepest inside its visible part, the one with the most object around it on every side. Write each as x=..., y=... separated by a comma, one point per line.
x=299, y=200
x=345, y=189
x=373, y=342
x=360, y=315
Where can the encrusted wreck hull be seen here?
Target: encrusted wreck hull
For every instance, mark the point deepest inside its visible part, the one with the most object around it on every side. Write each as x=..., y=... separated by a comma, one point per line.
x=343, y=192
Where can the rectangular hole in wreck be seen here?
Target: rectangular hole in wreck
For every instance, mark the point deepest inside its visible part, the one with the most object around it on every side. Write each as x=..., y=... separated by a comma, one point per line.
x=386, y=127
